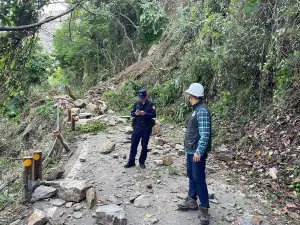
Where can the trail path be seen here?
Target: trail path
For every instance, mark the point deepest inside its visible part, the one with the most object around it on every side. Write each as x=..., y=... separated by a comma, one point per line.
x=116, y=185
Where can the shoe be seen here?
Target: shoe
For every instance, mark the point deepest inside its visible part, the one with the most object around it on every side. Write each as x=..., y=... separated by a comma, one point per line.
x=189, y=203
x=128, y=165
x=204, y=217
x=143, y=166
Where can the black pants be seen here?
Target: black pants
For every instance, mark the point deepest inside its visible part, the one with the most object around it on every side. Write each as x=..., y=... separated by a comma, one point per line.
x=143, y=133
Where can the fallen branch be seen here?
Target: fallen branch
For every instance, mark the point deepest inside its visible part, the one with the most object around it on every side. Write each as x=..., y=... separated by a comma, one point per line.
x=38, y=24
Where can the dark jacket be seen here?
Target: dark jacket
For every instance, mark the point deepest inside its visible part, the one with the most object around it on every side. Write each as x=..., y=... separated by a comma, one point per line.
x=192, y=136
x=150, y=112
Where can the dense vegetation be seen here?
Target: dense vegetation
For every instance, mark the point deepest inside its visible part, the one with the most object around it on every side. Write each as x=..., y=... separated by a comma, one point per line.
x=245, y=53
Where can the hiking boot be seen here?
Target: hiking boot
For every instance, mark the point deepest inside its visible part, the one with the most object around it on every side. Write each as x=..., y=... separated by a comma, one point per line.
x=188, y=203
x=143, y=166
x=128, y=165
x=204, y=217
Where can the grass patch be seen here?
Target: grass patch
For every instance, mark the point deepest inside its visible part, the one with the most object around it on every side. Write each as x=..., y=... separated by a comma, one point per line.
x=91, y=128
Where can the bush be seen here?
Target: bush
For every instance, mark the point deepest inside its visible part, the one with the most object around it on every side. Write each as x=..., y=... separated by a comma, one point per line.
x=122, y=100
x=93, y=128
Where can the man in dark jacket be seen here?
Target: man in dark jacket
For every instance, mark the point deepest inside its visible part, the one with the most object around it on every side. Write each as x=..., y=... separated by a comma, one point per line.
x=144, y=111
x=197, y=144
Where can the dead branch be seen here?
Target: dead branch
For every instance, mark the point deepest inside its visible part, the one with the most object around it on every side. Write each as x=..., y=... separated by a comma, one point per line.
x=38, y=24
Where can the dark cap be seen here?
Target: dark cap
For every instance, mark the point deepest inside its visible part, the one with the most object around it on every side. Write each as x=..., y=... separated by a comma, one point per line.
x=142, y=93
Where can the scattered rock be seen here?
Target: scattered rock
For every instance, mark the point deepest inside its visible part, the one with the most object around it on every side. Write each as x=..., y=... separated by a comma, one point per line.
x=111, y=214
x=154, y=220
x=55, y=173
x=108, y=147
x=156, y=152
x=38, y=217
x=149, y=186
x=92, y=108
x=223, y=154
x=73, y=190
x=75, y=111
x=214, y=201
x=181, y=152
x=82, y=159
x=115, y=156
x=159, y=162
x=142, y=202
x=85, y=115
x=112, y=123
x=228, y=219
x=134, y=196
x=124, y=156
x=91, y=197
x=179, y=147
x=160, y=141
x=167, y=160
x=249, y=220
x=211, y=195
x=128, y=130
x=83, y=111
x=77, y=215
x=121, y=120
x=158, y=147
x=15, y=222
x=58, y=202
x=43, y=192
x=69, y=204
x=79, y=103
x=273, y=173
x=77, y=207
x=181, y=196
x=110, y=112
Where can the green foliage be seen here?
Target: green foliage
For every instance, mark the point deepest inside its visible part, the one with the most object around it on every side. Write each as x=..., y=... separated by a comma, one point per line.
x=122, y=100
x=153, y=21
x=47, y=110
x=235, y=47
x=221, y=107
x=98, y=44
x=93, y=128
x=16, y=48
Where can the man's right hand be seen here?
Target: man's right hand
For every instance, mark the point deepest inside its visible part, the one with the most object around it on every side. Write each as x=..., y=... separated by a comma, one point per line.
x=137, y=112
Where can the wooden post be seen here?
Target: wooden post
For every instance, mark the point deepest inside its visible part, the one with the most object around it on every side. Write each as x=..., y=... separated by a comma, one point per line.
x=69, y=114
x=27, y=177
x=62, y=141
x=73, y=122
x=37, y=165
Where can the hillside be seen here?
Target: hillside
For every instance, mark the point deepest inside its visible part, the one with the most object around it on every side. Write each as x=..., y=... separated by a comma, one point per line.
x=245, y=53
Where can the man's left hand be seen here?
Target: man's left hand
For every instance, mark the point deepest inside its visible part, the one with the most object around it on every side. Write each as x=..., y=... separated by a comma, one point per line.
x=196, y=158
x=142, y=113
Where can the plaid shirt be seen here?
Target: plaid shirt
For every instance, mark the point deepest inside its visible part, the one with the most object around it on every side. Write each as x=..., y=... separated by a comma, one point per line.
x=204, y=130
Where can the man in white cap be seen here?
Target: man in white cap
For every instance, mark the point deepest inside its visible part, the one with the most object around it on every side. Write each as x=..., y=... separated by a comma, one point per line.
x=197, y=144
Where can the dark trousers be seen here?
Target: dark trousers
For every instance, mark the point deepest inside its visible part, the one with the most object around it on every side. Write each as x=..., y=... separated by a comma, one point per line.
x=196, y=174
x=140, y=133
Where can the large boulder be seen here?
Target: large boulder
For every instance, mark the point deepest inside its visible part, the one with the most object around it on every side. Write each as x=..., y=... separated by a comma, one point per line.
x=107, y=147
x=92, y=108
x=142, y=202
x=80, y=103
x=38, y=217
x=91, y=197
x=55, y=173
x=73, y=190
x=111, y=214
x=43, y=192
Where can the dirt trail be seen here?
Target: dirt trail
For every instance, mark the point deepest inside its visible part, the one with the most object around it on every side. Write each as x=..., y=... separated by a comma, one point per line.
x=116, y=184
